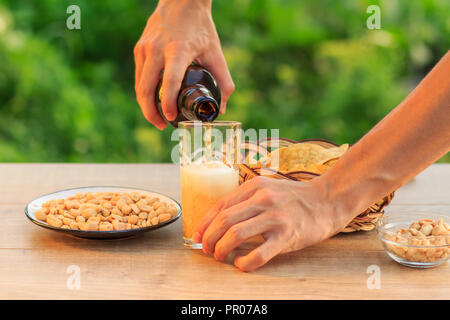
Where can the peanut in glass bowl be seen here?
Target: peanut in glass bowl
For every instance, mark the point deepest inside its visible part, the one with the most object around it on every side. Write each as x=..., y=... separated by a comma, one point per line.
x=415, y=248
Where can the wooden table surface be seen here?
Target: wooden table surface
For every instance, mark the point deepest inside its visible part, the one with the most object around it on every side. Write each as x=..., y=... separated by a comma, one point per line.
x=35, y=262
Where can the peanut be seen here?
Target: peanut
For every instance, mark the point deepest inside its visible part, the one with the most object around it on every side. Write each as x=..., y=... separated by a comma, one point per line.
x=161, y=210
x=73, y=225
x=54, y=221
x=126, y=209
x=67, y=221
x=164, y=217
x=87, y=213
x=426, y=229
x=135, y=208
x=117, y=225
x=438, y=230
x=74, y=212
x=141, y=203
x=105, y=211
x=155, y=221
x=172, y=211
x=143, y=215
x=92, y=225
x=116, y=211
x=133, y=219
x=105, y=226
x=94, y=219
x=152, y=214
x=157, y=204
x=40, y=215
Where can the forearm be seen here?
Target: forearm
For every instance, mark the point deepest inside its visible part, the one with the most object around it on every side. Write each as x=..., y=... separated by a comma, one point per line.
x=410, y=138
x=202, y=3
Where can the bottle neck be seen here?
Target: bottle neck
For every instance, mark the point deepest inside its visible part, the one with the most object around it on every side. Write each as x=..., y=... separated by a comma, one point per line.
x=197, y=103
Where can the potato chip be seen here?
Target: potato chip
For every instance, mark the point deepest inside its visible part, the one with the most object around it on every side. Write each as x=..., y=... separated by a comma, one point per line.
x=335, y=152
x=317, y=168
x=331, y=162
x=298, y=167
x=294, y=155
x=305, y=154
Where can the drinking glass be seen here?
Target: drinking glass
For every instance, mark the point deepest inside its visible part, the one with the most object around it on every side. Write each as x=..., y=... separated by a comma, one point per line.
x=209, y=168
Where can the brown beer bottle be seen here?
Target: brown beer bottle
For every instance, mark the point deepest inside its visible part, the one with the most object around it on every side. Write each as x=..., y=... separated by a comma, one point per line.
x=198, y=99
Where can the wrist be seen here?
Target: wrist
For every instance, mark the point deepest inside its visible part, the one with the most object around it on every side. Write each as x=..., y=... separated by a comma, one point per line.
x=202, y=3
x=338, y=203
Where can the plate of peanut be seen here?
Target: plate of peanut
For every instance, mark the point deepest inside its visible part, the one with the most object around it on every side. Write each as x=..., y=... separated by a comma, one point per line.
x=103, y=212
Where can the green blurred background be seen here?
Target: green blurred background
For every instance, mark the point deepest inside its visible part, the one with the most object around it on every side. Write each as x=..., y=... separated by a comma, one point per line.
x=310, y=68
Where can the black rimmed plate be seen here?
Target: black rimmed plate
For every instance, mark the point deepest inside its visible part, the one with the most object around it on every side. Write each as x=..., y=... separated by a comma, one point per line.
x=36, y=204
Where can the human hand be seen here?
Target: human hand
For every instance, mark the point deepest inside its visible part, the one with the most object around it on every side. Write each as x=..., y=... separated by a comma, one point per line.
x=176, y=34
x=289, y=215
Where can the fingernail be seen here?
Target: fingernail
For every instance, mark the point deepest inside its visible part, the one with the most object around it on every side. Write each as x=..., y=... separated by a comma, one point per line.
x=171, y=116
x=161, y=126
x=218, y=258
x=223, y=108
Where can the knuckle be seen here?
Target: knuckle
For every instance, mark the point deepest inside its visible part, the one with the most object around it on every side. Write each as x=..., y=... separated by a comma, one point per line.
x=276, y=218
x=144, y=91
x=267, y=197
x=154, y=42
x=221, y=204
x=204, y=40
x=286, y=231
x=174, y=47
x=259, y=258
x=259, y=181
x=151, y=46
x=229, y=89
x=236, y=233
x=223, y=219
x=169, y=80
x=137, y=48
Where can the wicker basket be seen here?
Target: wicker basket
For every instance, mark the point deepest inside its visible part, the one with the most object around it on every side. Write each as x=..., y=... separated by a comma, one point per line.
x=365, y=221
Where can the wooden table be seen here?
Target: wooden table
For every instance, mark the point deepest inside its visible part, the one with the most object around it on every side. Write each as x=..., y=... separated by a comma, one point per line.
x=34, y=262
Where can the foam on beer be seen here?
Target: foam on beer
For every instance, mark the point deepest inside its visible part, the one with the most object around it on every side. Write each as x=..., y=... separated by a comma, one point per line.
x=201, y=186
x=209, y=174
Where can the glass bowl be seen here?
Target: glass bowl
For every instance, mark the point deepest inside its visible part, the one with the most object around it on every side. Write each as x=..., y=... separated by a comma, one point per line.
x=421, y=250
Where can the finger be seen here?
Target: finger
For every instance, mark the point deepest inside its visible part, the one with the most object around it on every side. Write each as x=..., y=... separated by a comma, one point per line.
x=242, y=193
x=175, y=68
x=261, y=255
x=146, y=90
x=239, y=233
x=214, y=61
x=225, y=220
x=139, y=58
